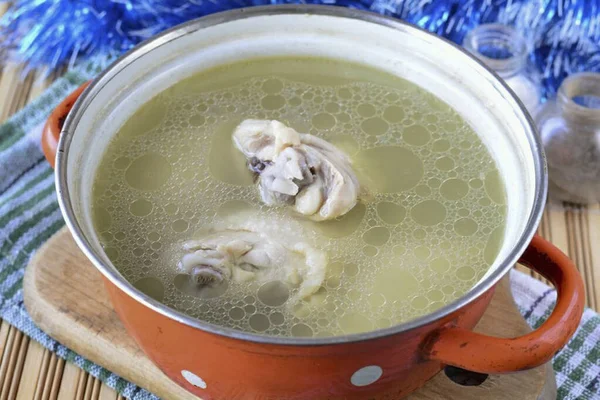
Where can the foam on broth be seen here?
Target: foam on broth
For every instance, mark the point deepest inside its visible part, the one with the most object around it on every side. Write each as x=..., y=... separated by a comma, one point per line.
x=429, y=228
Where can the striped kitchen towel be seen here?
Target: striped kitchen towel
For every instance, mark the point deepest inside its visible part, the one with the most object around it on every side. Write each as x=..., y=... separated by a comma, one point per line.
x=29, y=215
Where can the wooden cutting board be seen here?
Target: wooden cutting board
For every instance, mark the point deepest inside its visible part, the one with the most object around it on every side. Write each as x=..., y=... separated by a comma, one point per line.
x=65, y=296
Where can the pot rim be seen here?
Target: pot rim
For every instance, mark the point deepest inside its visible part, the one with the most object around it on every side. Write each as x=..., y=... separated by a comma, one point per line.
x=111, y=274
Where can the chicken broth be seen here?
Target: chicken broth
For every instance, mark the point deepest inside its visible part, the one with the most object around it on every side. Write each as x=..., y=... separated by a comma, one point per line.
x=428, y=223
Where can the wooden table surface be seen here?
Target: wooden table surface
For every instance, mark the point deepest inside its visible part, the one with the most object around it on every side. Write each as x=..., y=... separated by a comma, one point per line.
x=28, y=371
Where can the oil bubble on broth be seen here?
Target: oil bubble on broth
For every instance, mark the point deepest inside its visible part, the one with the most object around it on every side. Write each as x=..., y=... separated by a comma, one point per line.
x=429, y=223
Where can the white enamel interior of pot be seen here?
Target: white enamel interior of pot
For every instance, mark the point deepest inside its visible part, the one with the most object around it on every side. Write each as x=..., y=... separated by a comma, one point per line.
x=432, y=64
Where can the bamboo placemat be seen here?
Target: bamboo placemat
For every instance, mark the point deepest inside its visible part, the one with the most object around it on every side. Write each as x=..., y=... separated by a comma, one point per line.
x=28, y=371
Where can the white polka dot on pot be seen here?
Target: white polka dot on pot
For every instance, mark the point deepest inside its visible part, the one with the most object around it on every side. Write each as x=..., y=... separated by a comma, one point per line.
x=366, y=375
x=193, y=379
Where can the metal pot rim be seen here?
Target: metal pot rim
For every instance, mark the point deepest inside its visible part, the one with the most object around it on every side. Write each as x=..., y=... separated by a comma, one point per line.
x=115, y=278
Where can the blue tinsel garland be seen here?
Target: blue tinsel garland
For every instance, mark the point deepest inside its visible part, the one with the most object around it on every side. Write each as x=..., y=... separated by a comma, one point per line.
x=50, y=33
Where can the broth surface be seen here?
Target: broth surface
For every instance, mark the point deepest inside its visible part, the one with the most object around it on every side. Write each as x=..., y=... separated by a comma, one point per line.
x=429, y=225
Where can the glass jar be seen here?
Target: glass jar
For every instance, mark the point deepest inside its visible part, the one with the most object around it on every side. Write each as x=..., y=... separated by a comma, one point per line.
x=570, y=130
x=505, y=51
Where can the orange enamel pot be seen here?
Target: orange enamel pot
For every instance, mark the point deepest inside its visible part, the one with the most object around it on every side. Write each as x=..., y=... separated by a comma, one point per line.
x=224, y=364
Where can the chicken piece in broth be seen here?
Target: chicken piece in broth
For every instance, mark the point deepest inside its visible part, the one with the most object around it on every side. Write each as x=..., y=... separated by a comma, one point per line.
x=301, y=170
x=244, y=255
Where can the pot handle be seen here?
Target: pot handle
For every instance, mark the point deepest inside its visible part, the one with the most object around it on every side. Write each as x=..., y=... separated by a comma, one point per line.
x=475, y=352
x=55, y=122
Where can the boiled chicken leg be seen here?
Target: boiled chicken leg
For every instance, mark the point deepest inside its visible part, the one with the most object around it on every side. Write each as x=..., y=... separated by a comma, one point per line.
x=300, y=170
x=244, y=255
